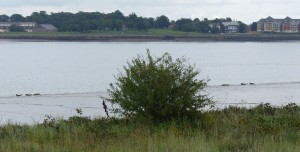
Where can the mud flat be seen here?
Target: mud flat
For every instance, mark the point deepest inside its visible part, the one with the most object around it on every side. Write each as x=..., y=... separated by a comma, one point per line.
x=33, y=109
x=275, y=93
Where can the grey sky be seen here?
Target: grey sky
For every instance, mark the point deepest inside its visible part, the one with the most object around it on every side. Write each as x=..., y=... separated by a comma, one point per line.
x=245, y=10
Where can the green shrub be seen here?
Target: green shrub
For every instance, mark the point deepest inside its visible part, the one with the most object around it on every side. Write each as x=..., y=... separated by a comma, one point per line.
x=159, y=89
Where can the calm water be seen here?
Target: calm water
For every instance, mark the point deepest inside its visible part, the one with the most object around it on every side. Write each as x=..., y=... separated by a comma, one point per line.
x=72, y=67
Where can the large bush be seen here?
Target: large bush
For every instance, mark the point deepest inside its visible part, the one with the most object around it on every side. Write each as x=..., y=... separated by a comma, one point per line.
x=159, y=89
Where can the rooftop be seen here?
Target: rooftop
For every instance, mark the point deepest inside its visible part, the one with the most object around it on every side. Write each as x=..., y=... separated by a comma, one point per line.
x=48, y=26
x=234, y=23
x=271, y=19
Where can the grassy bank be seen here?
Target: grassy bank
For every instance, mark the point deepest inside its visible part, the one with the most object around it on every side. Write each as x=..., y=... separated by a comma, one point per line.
x=150, y=32
x=152, y=35
x=263, y=128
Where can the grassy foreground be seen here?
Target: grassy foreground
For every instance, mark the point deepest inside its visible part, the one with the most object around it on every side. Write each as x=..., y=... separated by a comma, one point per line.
x=262, y=128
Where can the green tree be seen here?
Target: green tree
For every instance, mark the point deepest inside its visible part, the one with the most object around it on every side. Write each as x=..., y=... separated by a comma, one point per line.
x=215, y=30
x=4, y=18
x=159, y=89
x=184, y=24
x=132, y=17
x=17, y=18
x=253, y=26
x=162, y=22
x=39, y=17
x=84, y=26
x=228, y=19
x=189, y=27
x=151, y=22
x=242, y=27
x=118, y=24
x=203, y=26
x=142, y=24
x=196, y=20
x=131, y=25
x=117, y=15
x=106, y=24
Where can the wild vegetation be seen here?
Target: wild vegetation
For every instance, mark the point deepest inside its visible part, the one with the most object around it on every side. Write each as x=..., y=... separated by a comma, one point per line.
x=262, y=128
x=158, y=89
x=116, y=21
x=162, y=111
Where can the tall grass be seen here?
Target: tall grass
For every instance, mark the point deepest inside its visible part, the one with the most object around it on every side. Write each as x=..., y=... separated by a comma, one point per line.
x=262, y=128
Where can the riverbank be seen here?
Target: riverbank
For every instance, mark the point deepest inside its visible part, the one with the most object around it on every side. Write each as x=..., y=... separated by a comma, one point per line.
x=155, y=36
x=262, y=128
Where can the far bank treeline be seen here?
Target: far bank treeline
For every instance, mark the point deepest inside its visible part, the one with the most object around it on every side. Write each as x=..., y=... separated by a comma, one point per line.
x=96, y=21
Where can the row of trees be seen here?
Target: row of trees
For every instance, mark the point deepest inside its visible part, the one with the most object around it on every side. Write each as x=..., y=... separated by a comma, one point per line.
x=205, y=26
x=88, y=21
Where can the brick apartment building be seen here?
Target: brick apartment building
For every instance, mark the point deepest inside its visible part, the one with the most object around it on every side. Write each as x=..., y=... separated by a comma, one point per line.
x=286, y=25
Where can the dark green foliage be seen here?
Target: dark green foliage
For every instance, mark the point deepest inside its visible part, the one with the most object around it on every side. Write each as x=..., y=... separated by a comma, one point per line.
x=242, y=27
x=215, y=30
x=115, y=21
x=162, y=22
x=184, y=24
x=196, y=25
x=159, y=89
x=4, y=18
x=39, y=17
x=17, y=18
x=15, y=28
x=264, y=109
x=253, y=26
x=203, y=26
x=228, y=19
x=142, y=24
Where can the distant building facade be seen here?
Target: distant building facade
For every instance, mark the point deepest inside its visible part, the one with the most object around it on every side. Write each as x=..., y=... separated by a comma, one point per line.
x=231, y=27
x=227, y=27
x=28, y=26
x=286, y=25
x=46, y=28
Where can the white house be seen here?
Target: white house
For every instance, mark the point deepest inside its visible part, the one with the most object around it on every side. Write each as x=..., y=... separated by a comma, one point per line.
x=28, y=26
x=231, y=27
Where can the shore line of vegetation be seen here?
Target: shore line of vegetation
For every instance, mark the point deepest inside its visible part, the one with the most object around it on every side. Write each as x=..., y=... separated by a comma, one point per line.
x=89, y=21
x=160, y=109
x=261, y=128
x=155, y=35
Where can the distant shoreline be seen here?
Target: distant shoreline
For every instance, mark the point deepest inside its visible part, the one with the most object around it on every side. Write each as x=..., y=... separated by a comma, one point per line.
x=157, y=38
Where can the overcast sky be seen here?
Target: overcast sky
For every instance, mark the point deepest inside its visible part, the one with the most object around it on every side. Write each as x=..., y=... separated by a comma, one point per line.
x=244, y=10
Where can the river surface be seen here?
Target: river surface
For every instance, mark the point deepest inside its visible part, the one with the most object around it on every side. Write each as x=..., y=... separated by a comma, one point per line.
x=71, y=75
x=78, y=67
